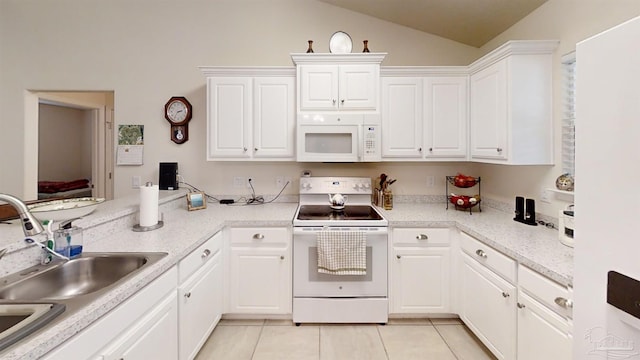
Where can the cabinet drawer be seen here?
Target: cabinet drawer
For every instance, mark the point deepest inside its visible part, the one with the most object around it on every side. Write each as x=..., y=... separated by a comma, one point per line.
x=553, y=295
x=421, y=236
x=200, y=256
x=260, y=237
x=491, y=258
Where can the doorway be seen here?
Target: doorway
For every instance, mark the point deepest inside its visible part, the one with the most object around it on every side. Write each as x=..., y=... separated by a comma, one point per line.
x=75, y=143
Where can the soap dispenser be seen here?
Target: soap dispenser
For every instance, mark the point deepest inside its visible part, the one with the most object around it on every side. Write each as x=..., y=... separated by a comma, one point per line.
x=68, y=239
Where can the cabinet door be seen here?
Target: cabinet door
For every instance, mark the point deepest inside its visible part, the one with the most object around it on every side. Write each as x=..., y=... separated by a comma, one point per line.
x=358, y=87
x=402, y=117
x=445, y=107
x=200, y=303
x=274, y=120
x=260, y=280
x=488, y=113
x=229, y=117
x=539, y=325
x=153, y=337
x=318, y=87
x=420, y=280
x=489, y=308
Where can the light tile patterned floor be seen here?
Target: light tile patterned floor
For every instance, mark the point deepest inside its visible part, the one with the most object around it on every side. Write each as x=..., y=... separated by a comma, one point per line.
x=433, y=339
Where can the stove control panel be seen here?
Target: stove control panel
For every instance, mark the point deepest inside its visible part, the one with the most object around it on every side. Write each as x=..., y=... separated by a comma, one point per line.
x=332, y=185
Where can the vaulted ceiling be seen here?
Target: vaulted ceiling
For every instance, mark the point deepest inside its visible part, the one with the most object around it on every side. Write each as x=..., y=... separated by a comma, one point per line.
x=471, y=22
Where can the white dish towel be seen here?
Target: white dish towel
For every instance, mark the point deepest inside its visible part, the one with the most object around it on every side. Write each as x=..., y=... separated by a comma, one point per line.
x=342, y=252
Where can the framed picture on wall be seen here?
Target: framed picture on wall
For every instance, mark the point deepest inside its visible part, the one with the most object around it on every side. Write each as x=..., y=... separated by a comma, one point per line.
x=196, y=201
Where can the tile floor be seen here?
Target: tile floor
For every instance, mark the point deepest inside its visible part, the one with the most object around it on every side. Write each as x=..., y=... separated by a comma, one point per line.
x=434, y=339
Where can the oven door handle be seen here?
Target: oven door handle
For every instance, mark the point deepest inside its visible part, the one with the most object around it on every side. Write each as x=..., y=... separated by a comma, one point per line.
x=367, y=230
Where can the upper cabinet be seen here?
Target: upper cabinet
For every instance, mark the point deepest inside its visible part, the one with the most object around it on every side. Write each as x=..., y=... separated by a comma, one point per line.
x=510, y=104
x=250, y=113
x=424, y=113
x=338, y=82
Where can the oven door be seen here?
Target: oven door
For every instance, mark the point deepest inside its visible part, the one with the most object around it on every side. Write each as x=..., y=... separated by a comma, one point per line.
x=308, y=282
x=328, y=143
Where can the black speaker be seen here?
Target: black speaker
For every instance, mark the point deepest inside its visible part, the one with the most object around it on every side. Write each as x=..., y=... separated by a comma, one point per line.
x=519, y=209
x=168, y=176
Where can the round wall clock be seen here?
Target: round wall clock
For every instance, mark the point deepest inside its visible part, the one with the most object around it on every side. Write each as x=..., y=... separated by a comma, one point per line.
x=178, y=112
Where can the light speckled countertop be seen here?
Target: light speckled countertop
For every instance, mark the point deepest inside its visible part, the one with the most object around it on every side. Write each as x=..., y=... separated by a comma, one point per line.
x=536, y=247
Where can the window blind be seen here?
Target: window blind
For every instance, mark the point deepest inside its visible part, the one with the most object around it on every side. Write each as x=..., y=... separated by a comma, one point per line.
x=569, y=113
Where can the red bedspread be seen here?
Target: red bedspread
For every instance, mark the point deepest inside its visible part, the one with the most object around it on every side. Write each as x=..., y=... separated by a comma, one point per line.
x=50, y=187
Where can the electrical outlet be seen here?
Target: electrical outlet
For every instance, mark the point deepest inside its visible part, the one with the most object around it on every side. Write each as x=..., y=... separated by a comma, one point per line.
x=136, y=181
x=239, y=181
x=545, y=196
x=431, y=181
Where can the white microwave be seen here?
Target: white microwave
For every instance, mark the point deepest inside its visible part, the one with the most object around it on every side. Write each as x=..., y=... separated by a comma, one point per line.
x=338, y=138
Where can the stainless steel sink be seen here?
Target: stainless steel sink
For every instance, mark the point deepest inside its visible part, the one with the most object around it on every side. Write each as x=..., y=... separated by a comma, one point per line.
x=77, y=277
x=65, y=287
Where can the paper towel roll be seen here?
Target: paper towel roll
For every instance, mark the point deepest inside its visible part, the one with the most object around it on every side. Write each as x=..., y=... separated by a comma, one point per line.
x=148, y=205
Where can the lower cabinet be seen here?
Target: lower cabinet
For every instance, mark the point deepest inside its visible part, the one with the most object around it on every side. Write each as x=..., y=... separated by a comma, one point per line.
x=488, y=307
x=200, y=296
x=420, y=263
x=143, y=327
x=260, y=264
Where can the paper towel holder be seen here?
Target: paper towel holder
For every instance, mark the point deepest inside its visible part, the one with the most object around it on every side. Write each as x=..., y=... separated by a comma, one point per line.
x=159, y=224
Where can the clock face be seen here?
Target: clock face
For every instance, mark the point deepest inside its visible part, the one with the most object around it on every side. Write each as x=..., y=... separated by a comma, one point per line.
x=177, y=111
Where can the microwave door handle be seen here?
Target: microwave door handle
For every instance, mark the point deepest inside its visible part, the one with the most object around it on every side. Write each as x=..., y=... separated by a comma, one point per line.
x=360, y=141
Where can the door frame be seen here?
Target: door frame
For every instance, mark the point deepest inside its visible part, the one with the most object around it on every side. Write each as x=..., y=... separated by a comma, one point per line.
x=102, y=139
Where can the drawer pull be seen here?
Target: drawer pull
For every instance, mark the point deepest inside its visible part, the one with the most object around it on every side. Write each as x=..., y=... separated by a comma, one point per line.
x=187, y=295
x=205, y=254
x=567, y=304
x=481, y=253
x=398, y=256
x=258, y=236
x=281, y=257
x=505, y=294
x=422, y=237
x=521, y=306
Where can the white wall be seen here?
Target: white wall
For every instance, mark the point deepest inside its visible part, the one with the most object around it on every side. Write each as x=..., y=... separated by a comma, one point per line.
x=149, y=50
x=64, y=143
x=569, y=21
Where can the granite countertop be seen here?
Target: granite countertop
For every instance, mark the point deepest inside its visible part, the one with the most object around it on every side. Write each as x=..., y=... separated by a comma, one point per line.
x=536, y=247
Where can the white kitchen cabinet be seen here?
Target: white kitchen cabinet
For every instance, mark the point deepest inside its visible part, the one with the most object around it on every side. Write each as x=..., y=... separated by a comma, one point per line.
x=250, y=114
x=420, y=281
x=142, y=327
x=445, y=108
x=402, y=117
x=544, y=309
x=200, y=295
x=260, y=280
x=338, y=82
x=488, y=307
x=147, y=339
x=510, y=104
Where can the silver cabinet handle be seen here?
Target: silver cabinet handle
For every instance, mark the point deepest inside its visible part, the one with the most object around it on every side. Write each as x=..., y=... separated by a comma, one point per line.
x=398, y=256
x=205, y=254
x=187, y=295
x=505, y=294
x=481, y=253
x=565, y=303
x=422, y=237
x=521, y=306
x=258, y=236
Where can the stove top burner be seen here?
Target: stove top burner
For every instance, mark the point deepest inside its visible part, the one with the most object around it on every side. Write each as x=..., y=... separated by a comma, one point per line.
x=350, y=212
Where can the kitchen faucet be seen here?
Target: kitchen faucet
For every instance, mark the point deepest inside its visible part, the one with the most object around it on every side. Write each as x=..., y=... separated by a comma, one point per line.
x=30, y=225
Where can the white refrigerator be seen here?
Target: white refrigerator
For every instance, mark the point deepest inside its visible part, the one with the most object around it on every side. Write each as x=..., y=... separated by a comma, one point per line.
x=607, y=195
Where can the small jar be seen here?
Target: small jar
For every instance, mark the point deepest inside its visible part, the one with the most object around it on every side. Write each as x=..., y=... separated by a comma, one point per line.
x=68, y=242
x=387, y=199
